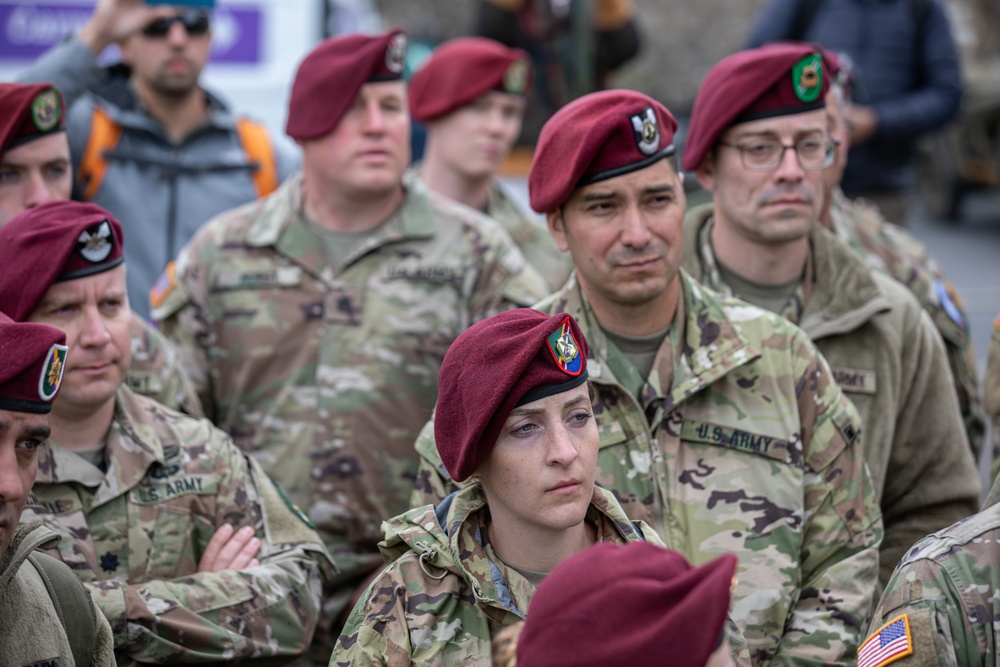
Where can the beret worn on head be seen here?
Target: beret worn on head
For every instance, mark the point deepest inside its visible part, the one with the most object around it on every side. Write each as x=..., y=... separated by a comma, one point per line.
x=460, y=70
x=778, y=79
x=28, y=112
x=330, y=76
x=594, y=138
x=497, y=364
x=60, y=240
x=32, y=359
x=644, y=598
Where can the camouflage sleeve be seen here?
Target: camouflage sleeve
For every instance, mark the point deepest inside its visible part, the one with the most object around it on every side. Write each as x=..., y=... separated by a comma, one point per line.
x=385, y=643
x=269, y=610
x=178, y=307
x=941, y=635
x=842, y=527
x=991, y=383
x=505, y=279
x=933, y=480
x=433, y=483
x=156, y=371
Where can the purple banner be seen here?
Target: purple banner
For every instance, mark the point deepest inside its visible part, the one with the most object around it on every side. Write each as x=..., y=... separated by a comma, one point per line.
x=29, y=29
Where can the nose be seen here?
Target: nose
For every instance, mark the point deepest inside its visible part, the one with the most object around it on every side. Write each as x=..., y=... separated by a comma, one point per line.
x=36, y=190
x=635, y=232
x=789, y=169
x=374, y=122
x=177, y=34
x=562, y=448
x=12, y=487
x=94, y=332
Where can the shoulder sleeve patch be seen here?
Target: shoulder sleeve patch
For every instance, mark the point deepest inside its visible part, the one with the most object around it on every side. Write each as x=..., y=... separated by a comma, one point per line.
x=892, y=642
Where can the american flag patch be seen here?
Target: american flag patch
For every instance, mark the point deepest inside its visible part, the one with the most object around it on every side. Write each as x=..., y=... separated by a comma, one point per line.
x=889, y=644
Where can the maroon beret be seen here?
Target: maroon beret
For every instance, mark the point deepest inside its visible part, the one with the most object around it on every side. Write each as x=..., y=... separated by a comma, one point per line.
x=59, y=240
x=616, y=604
x=32, y=359
x=777, y=79
x=594, y=138
x=329, y=78
x=461, y=70
x=497, y=364
x=28, y=112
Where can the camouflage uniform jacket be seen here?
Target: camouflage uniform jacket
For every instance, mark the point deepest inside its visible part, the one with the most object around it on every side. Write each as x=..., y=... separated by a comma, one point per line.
x=739, y=441
x=326, y=373
x=31, y=632
x=991, y=390
x=892, y=250
x=446, y=593
x=889, y=360
x=948, y=587
x=530, y=235
x=135, y=535
x=156, y=370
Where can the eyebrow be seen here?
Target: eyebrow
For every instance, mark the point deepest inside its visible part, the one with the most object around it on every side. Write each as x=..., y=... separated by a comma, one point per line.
x=525, y=411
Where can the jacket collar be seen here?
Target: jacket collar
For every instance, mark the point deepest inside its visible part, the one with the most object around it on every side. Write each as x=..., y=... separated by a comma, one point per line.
x=27, y=537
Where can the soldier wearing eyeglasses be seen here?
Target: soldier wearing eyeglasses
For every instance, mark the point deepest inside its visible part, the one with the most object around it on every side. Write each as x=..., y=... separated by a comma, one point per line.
x=758, y=140
x=148, y=142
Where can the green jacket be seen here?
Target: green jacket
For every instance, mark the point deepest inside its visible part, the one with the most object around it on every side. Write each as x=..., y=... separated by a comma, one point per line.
x=892, y=250
x=739, y=441
x=31, y=632
x=891, y=363
x=135, y=534
x=445, y=592
x=991, y=390
x=948, y=588
x=156, y=370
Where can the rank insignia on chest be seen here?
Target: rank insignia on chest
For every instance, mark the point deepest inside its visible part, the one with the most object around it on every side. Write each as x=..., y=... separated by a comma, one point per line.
x=109, y=562
x=52, y=372
x=565, y=349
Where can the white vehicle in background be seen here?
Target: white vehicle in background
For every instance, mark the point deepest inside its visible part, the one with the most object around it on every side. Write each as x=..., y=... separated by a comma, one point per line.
x=256, y=44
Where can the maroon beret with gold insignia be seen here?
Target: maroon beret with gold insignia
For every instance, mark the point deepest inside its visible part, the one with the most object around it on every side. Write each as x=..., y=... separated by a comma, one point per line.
x=594, y=138
x=56, y=241
x=646, y=597
x=777, y=79
x=330, y=76
x=28, y=112
x=497, y=364
x=32, y=359
x=461, y=70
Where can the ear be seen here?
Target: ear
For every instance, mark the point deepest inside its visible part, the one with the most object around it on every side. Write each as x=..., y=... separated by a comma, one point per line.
x=556, y=222
x=705, y=172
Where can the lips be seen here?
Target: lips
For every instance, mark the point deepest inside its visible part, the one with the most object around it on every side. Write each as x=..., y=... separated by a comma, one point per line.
x=565, y=485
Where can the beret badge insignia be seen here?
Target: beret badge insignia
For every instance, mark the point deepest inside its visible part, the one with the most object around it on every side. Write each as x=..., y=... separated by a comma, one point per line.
x=565, y=349
x=95, y=244
x=52, y=372
x=807, y=78
x=395, y=53
x=46, y=110
x=647, y=132
x=515, y=79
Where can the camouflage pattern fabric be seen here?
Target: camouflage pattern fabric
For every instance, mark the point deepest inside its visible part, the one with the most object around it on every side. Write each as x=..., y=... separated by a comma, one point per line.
x=738, y=442
x=446, y=593
x=135, y=535
x=991, y=391
x=948, y=587
x=529, y=234
x=323, y=373
x=156, y=370
x=890, y=362
x=892, y=250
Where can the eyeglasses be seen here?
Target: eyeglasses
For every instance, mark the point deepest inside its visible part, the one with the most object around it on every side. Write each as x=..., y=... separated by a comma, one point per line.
x=767, y=154
x=195, y=23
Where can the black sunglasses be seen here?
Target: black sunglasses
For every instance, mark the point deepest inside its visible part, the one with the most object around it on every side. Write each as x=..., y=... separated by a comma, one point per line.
x=195, y=23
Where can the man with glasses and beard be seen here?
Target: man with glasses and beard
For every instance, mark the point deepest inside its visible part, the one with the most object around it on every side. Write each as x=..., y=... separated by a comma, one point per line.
x=149, y=144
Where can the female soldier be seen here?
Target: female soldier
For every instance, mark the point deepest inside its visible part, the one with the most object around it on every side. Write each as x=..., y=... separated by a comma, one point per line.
x=514, y=415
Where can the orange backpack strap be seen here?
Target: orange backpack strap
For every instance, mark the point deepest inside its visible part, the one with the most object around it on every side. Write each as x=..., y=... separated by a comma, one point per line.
x=258, y=148
x=104, y=135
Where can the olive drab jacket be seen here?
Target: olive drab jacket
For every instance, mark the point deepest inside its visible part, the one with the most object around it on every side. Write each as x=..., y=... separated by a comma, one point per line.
x=738, y=442
x=890, y=361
